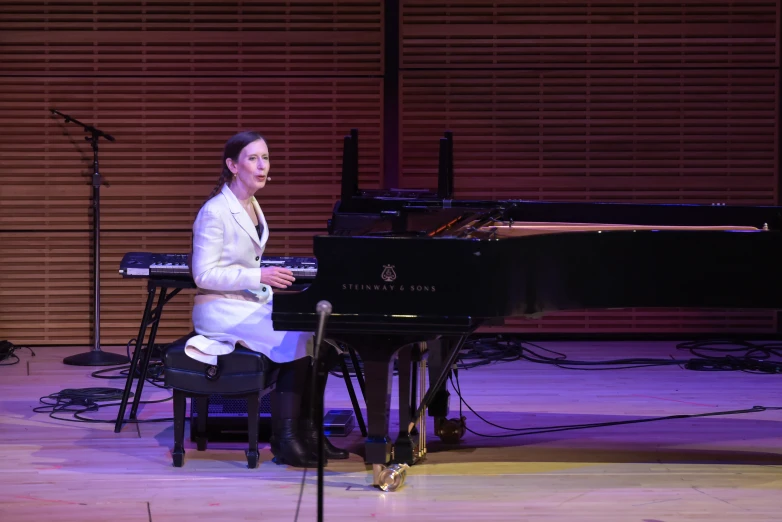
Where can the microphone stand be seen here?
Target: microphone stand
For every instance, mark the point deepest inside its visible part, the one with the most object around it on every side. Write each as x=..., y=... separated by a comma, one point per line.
x=95, y=357
x=324, y=310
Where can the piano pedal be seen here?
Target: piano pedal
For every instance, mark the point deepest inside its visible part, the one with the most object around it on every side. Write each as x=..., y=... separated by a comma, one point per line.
x=420, y=452
x=410, y=447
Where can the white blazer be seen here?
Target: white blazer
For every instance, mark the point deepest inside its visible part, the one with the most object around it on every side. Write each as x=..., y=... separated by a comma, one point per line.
x=232, y=305
x=227, y=250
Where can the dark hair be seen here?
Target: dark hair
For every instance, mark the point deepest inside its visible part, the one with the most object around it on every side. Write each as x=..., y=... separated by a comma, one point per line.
x=233, y=147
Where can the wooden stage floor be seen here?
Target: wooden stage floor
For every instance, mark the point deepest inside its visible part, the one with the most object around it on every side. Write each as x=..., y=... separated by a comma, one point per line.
x=715, y=468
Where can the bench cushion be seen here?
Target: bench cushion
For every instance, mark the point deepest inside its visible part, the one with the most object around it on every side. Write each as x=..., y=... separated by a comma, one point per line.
x=239, y=372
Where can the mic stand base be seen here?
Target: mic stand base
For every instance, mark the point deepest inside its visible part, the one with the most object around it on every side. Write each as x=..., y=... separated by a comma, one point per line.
x=96, y=358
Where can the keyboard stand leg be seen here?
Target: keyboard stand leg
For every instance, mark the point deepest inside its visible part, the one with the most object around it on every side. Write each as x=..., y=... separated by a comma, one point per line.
x=162, y=300
x=151, y=290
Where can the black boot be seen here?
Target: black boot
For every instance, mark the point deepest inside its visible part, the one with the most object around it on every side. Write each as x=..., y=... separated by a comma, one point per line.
x=287, y=443
x=330, y=451
x=288, y=447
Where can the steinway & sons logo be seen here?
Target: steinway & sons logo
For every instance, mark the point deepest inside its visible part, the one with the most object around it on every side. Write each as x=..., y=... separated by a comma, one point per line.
x=388, y=276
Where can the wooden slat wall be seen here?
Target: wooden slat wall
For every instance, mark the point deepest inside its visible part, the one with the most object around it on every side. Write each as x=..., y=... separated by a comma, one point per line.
x=171, y=81
x=649, y=101
x=568, y=100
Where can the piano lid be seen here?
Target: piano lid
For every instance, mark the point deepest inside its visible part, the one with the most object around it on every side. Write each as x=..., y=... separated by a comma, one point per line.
x=399, y=263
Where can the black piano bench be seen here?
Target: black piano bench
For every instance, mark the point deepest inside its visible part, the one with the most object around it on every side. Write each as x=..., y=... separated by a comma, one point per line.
x=242, y=373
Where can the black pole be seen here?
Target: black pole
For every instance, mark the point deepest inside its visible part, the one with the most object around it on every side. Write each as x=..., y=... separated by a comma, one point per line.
x=323, y=308
x=779, y=148
x=96, y=239
x=449, y=162
x=95, y=357
x=321, y=442
x=442, y=170
x=349, y=186
x=391, y=46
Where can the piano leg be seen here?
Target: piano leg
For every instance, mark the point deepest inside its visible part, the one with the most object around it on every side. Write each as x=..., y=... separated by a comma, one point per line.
x=378, y=352
x=378, y=372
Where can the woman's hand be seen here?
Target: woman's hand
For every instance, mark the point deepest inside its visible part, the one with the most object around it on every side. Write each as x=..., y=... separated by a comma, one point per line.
x=276, y=276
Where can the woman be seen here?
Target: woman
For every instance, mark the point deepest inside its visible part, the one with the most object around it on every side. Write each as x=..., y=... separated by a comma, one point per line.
x=234, y=300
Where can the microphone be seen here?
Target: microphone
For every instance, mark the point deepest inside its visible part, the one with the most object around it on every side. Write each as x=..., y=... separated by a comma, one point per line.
x=323, y=308
x=67, y=118
x=268, y=179
x=96, y=133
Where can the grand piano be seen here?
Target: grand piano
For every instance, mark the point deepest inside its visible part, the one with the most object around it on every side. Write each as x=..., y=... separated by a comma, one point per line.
x=417, y=271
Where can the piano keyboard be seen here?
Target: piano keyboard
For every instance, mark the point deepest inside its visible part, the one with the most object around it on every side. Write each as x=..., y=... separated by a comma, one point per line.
x=302, y=267
x=151, y=265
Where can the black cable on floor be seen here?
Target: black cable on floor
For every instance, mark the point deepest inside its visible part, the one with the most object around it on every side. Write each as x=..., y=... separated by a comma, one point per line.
x=83, y=400
x=734, y=355
x=7, y=349
x=155, y=374
x=752, y=357
x=549, y=429
x=77, y=402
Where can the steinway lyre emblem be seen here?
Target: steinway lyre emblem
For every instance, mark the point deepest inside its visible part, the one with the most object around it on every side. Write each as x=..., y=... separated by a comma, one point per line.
x=388, y=274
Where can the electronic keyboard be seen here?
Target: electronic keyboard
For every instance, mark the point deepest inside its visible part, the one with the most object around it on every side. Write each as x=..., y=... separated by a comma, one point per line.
x=177, y=266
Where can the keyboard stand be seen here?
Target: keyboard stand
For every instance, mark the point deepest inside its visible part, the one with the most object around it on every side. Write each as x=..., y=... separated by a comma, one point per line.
x=149, y=318
x=141, y=355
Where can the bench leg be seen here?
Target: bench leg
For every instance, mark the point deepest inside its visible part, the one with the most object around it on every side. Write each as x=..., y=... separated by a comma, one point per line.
x=253, y=405
x=180, y=406
x=202, y=409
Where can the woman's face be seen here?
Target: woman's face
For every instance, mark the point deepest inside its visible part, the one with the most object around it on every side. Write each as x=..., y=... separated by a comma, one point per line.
x=252, y=166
